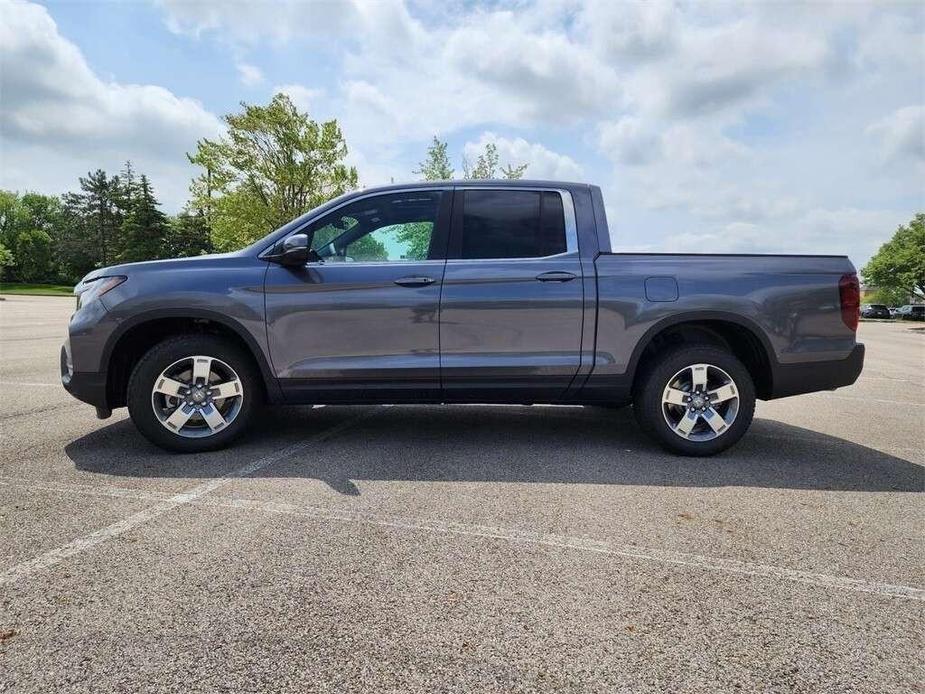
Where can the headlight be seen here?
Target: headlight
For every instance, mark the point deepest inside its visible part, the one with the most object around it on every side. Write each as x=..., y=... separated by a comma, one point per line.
x=90, y=290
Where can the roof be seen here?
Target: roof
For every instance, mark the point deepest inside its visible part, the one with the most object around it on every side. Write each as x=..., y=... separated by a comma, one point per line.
x=476, y=183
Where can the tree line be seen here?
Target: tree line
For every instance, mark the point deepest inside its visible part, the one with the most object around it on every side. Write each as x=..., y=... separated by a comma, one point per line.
x=273, y=164
x=109, y=219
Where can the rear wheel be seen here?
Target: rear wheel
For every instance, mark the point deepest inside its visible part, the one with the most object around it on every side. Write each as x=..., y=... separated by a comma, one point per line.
x=695, y=400
x=193, y=393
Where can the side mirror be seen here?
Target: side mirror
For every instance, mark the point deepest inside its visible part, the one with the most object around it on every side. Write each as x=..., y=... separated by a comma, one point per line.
x=295, y=250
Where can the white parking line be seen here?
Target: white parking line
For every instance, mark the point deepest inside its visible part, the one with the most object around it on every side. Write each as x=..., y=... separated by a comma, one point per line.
x=195, y=496
x=82, y=489
x=82, y=544
x=728, y=566
x=863, y=399
x=891, y=379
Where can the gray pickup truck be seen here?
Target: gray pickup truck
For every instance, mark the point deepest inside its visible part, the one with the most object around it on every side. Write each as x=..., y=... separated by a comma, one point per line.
x=453, y=292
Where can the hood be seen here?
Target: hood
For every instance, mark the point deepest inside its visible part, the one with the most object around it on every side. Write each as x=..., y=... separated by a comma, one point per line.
x=146, y=266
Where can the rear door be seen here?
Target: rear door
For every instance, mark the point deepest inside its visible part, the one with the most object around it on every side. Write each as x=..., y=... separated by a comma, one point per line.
x=360, y=320
x=511, y=307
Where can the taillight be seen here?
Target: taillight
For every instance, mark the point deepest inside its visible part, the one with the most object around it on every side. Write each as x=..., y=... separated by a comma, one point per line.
x=849, y=293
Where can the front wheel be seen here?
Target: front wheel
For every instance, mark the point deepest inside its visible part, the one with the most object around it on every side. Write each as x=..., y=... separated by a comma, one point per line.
x=695, y=400
x=193, y=393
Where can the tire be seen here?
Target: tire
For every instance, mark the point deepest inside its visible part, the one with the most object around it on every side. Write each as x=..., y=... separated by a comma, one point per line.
x=205, y=425
x=676, y=366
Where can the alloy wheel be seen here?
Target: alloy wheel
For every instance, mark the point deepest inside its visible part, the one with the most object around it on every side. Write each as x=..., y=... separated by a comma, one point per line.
x=700, y=402
x=197, y=396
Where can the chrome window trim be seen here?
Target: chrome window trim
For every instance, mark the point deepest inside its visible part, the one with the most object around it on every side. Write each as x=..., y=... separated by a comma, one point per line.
x=372, y=194
x=571, y=224
x=378, y=263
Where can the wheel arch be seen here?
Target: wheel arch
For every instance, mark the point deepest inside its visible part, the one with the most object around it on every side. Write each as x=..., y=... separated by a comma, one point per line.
x=741, y=336
x=136, y=335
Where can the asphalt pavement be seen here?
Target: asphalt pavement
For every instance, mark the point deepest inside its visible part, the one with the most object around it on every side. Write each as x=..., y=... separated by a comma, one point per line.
x=462, y=548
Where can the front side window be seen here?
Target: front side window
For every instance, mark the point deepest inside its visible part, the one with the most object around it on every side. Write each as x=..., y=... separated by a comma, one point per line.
x=512, y=224
x=385, y=228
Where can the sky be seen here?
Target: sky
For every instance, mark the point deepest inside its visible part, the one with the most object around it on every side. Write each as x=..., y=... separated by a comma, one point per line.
x=711, y=127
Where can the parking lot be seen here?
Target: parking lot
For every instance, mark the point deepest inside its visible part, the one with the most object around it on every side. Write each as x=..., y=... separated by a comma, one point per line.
x=462, y=548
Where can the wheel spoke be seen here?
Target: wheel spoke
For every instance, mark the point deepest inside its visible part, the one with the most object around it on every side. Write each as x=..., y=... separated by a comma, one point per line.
x=228, y=389
x=674, y=396
x=202, y=367
x=686, y=400
x=723, y=393
x=713, y=418
x=168, y=386
x=686, y=425
x=699, y=376
x=179, y=417
x=213, y=417
x=189, y=380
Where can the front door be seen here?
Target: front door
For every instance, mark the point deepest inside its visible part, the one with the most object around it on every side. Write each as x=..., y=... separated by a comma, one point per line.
x=512, y=304
x=360, y=320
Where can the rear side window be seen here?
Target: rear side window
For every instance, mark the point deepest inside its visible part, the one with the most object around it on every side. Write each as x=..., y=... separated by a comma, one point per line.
x=512, y=224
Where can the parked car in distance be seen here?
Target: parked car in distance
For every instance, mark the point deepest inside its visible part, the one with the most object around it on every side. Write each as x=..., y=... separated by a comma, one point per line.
x=911, y=312
x=875, y=311
x=894, y=311
x=454, y=292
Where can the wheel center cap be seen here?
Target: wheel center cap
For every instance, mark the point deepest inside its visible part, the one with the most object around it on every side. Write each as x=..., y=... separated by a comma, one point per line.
x=697, y=401
x=199, y=395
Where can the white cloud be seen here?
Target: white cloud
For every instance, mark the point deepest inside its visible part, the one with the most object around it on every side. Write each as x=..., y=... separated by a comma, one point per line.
x=844, y=231
x=542, y=162
x=634, y=31
x=250, y=75
x=736, y=63
x=634, y=142
x=901, y=135
x=629, y=141
x=248, y=22
x=58, y=114
x=305, y=98
x=533, y=76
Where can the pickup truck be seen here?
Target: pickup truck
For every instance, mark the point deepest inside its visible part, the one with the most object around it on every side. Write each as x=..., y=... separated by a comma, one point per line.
x=456, y=292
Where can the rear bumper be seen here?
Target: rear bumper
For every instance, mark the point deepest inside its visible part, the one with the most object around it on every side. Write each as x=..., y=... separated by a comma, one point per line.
x=88, y=386
x=795, y=379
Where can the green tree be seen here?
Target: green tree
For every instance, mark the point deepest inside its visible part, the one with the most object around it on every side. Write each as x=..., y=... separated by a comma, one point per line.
x=33, y=250
x=487, y=166
x=144, y=229
x=27, y=225
x=9, y=206
x=187, y=235
x=417, y=236
x=436, y=167
x=76, y=247
x=889, y=297
x=900, y=262
x=274, y=164
x=99, y=215
x=6, y=260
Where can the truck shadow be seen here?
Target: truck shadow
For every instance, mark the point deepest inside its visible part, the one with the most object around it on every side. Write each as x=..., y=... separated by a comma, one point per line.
x=504, y=444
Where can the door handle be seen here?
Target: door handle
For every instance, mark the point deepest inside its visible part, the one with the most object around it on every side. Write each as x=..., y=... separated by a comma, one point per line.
x=414, y=281
x=556, y=277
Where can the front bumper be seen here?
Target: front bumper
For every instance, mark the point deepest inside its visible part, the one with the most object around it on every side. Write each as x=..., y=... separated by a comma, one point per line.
x=88, y=386
x=795, y=379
